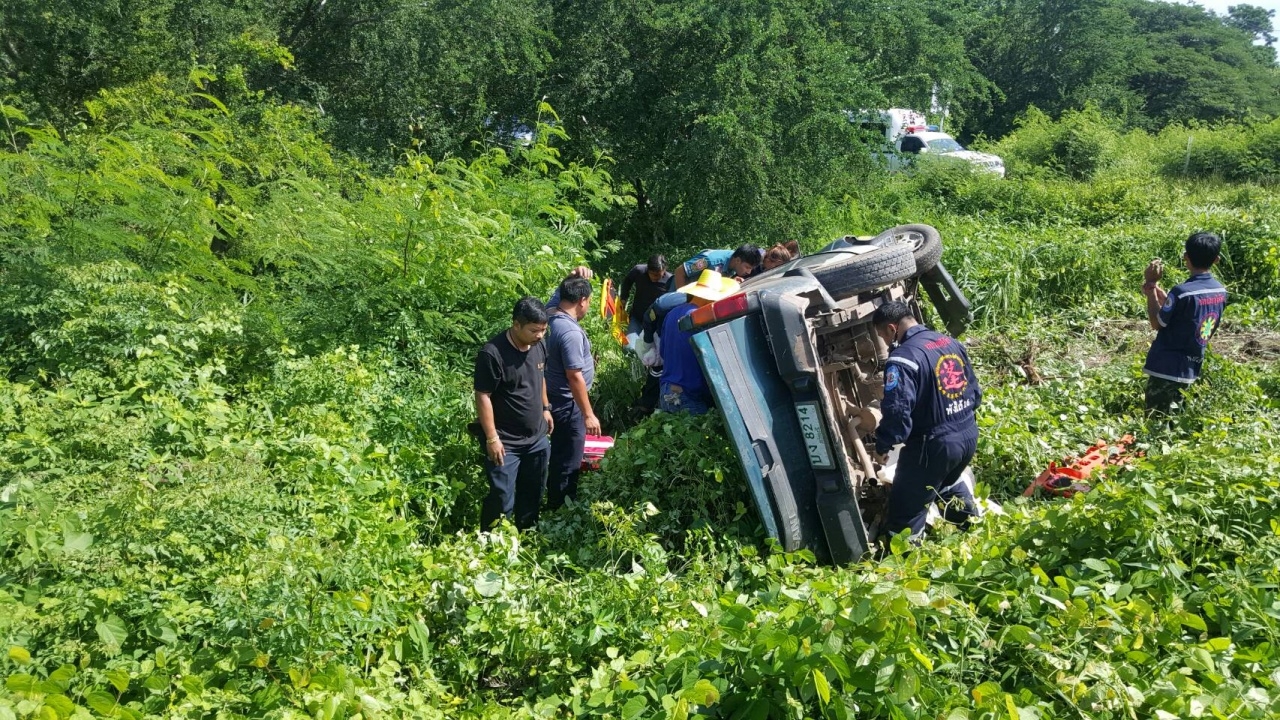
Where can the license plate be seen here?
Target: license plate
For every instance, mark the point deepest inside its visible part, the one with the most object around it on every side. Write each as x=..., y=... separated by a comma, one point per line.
x=815, y=437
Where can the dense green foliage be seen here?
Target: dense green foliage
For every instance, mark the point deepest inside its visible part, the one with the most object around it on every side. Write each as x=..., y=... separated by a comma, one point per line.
x=234, y=482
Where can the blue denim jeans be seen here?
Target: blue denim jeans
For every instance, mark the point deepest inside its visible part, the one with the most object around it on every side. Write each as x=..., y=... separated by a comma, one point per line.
x=674, y=401
x=515, y=486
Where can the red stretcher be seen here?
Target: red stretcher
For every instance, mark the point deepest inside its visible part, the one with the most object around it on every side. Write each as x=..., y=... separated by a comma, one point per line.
x=1068, y=479
x=594, y=450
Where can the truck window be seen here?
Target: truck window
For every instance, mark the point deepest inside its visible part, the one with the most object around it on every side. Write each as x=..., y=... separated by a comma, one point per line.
x=911, y=145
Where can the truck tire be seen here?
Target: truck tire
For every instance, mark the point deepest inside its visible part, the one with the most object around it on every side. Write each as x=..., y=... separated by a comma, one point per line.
x=925, y=242
x=845, y=274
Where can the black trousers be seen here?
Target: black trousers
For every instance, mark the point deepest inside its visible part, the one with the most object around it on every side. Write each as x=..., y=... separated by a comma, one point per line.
x=1164, y=397
x=515, y=486
x=567, y=442
x=929, y=472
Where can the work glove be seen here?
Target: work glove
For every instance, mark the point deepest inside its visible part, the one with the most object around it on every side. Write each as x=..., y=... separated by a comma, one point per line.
x=638, y=345
x=651, y=357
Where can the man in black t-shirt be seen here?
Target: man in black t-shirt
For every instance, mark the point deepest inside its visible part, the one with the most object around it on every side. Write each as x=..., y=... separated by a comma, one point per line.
x=514, y=416
x=649, y=280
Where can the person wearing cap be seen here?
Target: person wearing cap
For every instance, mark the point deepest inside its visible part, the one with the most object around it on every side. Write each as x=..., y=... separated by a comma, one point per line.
x=740, y=264
x=931, y=396
x=683, y=387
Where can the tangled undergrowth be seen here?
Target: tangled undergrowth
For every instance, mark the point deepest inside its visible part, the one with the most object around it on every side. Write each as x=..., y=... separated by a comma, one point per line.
x=234, y=479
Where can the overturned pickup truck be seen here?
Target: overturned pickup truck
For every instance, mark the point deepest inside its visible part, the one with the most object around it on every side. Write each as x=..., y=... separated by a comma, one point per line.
x=796, y=369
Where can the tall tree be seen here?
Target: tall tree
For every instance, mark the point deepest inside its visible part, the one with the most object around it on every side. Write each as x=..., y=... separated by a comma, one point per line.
x=436, y=73
x=1253, y=20
x=1198, y=68
x=728, y=117
x=1055, y=55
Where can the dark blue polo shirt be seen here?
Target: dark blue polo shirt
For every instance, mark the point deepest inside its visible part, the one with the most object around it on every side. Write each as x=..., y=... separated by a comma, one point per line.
x=930, y=391
x=1188, y=319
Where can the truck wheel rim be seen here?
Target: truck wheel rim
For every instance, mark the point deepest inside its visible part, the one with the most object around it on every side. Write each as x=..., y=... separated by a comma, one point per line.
x=914, y=237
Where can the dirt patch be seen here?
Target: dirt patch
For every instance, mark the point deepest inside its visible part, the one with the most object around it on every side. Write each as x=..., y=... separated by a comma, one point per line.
x=1249, y=345
x=1103, y=342
x=1236, y=343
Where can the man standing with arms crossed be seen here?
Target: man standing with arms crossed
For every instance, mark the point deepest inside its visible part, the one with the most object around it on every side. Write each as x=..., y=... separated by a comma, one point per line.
x=570, y=372
x=514, y=416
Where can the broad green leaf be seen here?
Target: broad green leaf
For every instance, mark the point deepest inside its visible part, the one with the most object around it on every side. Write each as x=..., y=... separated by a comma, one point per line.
x=1195, y=622
x=1097, y=565
x=634, y=707
x=488, y=584
x=75, y=541
x=984, y=691
x=60, y=704
x=822, y=686
x=103, y=703
x=1200, y=659
x=63, y=676
x=20, y=682
x=1218, y=644
x=19, y=655
x=112, y=632
x=702, y=693
x=119, y=678
x=192, y=684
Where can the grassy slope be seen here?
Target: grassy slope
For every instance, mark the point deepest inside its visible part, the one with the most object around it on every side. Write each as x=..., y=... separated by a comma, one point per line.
x=289, y=543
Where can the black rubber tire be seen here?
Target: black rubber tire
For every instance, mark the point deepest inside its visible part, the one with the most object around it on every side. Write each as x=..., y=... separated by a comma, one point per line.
x=925, y=241
x=845, y=274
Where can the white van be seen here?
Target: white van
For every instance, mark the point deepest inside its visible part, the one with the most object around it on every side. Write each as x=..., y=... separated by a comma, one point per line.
x=906, y=133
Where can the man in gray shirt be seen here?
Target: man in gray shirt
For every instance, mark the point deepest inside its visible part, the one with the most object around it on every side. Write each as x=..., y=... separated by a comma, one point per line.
x=570, y=371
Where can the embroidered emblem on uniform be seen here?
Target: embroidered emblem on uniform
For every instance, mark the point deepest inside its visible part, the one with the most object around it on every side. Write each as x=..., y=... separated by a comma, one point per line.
x=699, y=265
x=1206, y=327
x=952, y=381
x=891, y=378
x=1168, y=302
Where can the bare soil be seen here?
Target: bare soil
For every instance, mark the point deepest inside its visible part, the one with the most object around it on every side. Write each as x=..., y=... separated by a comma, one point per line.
x=1103, y=342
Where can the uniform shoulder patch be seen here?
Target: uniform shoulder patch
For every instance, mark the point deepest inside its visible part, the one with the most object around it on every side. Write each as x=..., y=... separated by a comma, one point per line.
x=892, y=378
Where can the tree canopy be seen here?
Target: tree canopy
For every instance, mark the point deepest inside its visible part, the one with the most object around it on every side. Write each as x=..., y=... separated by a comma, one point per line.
x=725, y=119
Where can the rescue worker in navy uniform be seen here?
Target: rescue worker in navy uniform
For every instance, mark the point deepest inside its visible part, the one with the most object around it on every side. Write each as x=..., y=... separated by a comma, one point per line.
x=930, y=397
x=1185, y=319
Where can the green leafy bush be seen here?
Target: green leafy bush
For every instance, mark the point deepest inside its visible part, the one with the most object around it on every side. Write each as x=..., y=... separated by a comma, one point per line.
x=234, y=479
x=1078, y=145
x=1243, y=152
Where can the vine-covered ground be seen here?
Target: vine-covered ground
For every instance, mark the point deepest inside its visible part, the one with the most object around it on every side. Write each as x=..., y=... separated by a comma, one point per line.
x=234, y=480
